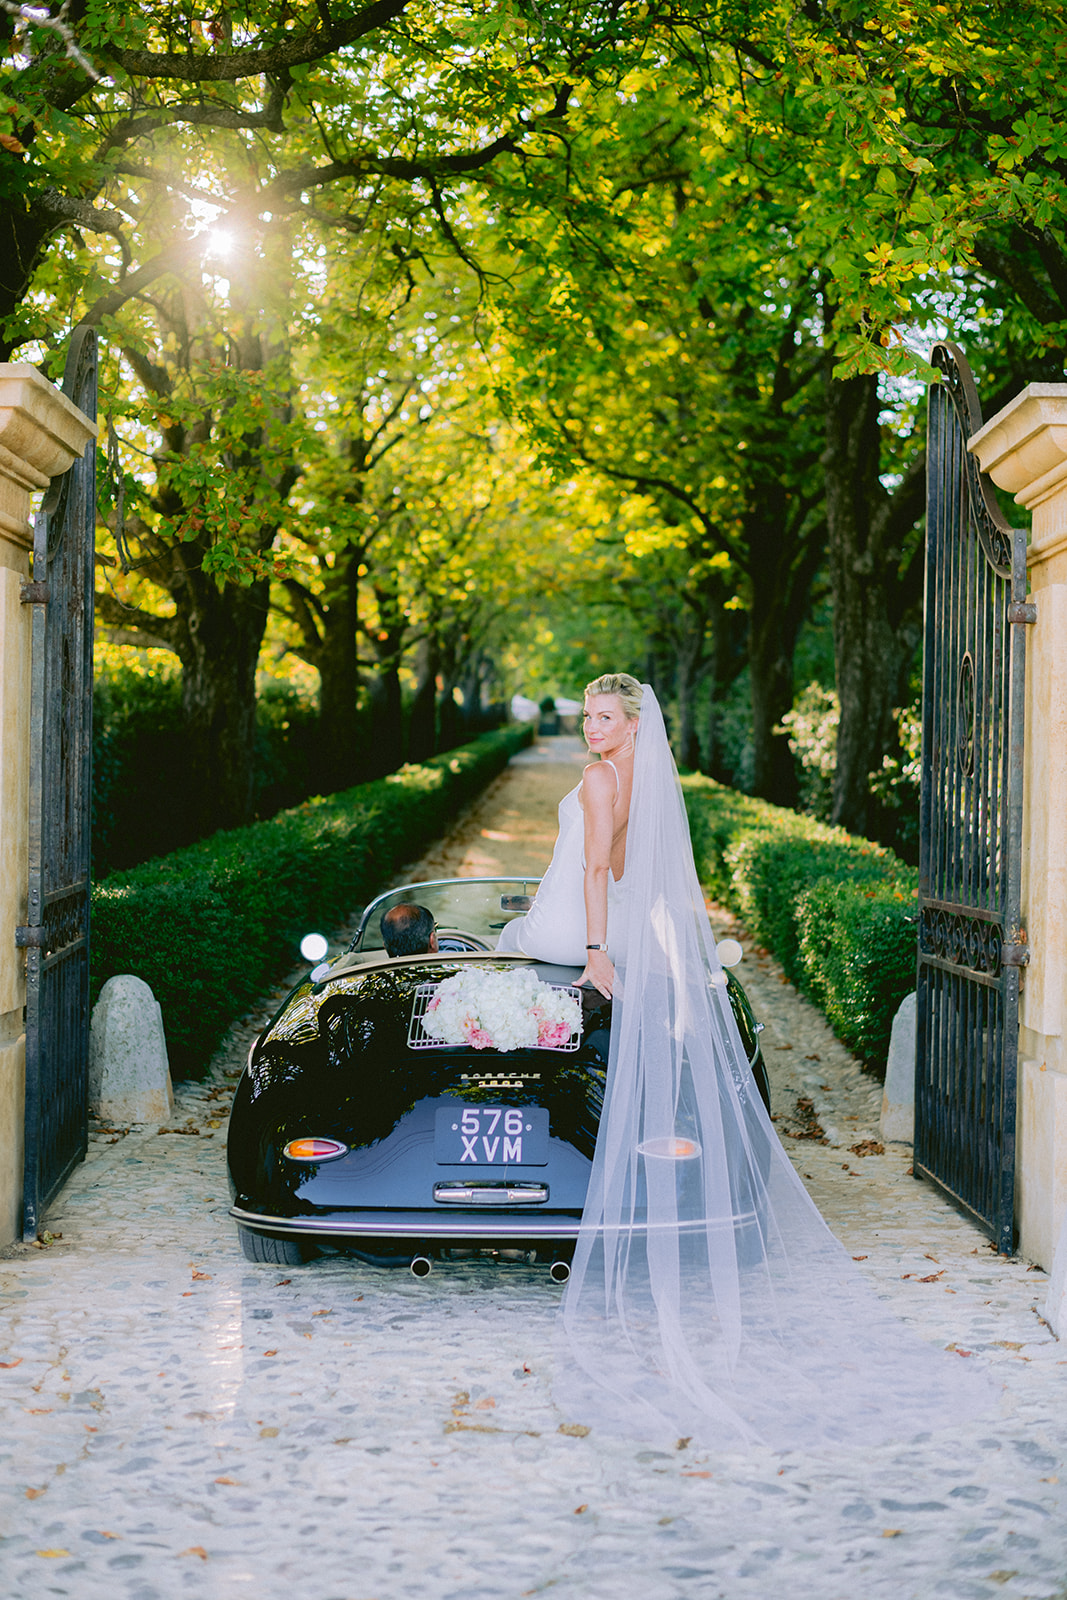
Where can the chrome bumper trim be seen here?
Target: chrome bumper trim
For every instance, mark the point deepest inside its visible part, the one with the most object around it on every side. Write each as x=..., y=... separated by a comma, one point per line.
x=414, y=1225
x=459, y=1193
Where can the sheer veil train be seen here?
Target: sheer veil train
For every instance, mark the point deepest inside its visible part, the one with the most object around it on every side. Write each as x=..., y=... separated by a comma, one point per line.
x=708, y=1299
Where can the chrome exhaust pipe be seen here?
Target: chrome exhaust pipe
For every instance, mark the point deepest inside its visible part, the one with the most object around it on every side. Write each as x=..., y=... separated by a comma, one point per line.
x=559, y=1271
x=420, y=1266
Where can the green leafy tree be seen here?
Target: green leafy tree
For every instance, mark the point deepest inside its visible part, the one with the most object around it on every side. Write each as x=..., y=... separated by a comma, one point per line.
x=663, y=347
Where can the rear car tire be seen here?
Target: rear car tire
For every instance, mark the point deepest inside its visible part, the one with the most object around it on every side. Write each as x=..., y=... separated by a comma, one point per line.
x=274, y=1252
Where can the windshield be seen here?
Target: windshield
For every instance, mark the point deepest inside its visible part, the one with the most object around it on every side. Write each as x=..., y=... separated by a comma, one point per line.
x=469, y=905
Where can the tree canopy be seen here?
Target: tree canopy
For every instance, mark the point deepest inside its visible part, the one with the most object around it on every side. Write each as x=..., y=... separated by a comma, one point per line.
x=436, y=331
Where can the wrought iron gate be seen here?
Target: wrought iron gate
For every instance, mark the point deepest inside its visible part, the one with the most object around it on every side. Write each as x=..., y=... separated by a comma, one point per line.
x=971, y=942
x=56, y=936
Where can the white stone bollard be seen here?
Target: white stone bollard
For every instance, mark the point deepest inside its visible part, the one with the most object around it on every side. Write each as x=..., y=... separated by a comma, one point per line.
x=129, y=1074
x=897, y=1121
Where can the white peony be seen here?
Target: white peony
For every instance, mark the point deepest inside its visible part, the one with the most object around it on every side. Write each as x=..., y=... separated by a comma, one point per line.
x=512, y=1009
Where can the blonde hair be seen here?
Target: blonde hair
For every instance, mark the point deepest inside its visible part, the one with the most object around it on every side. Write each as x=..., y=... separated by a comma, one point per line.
x=621, y=684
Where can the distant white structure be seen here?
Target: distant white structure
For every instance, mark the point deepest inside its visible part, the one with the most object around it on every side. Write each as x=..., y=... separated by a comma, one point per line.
x=524, y=710
x=129, y=1073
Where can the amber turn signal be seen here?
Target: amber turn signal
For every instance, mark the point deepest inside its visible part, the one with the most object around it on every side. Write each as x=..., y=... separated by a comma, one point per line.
x=670, y=1149
x=314, y=1149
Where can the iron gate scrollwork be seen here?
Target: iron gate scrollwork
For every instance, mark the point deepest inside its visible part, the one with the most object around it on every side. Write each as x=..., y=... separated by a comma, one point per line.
x=972, y=945
x=56, y=935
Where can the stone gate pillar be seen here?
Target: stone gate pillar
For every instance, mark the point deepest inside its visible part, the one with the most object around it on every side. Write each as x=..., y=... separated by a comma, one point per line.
x=1024, y=450
x=41, y=435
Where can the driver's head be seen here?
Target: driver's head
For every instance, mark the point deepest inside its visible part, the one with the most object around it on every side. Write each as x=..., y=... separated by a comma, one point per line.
x=408, y=930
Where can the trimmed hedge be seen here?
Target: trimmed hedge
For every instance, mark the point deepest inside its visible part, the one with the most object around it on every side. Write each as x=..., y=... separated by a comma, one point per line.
x=838, y=912
x=210, y=926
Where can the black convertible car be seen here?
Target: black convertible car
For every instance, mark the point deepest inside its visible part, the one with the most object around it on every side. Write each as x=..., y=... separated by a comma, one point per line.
x=355, y=1126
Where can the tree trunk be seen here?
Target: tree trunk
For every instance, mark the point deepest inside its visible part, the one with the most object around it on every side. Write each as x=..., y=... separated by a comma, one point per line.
x=727, y=663
x=781, y=566
x=876, y=588
x=772, y=643
x=690, y=663
x=343, y=762
x=422, y=726
x=386, y=740
x=218, y=640
x=24, y=233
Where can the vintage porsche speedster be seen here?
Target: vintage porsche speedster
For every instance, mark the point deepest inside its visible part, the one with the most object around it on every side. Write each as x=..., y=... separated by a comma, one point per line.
x=360, y=1124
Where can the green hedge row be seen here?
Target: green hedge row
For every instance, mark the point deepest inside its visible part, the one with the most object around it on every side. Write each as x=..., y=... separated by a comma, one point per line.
x=838, y=912
x=210, y=926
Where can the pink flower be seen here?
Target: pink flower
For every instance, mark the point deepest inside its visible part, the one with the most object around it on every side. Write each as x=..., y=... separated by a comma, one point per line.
x=478, y=1039
x=552, y=1035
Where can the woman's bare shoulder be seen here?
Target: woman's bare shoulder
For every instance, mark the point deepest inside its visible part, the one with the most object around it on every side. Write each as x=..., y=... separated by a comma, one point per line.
x=599, y=781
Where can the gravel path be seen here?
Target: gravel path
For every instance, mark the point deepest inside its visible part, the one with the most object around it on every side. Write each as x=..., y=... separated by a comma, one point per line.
x=177, y=1421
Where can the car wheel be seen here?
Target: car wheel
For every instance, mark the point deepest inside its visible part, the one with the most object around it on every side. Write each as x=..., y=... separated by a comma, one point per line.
x=275, y=1252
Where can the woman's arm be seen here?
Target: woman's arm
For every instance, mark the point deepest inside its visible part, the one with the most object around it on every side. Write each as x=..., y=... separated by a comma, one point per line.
x=599, y=788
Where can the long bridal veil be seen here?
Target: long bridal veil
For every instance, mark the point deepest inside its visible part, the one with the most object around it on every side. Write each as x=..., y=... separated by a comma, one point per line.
x=707, y=1298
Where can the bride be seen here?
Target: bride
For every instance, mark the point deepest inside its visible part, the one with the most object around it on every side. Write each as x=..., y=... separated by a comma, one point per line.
x=707, y=1300
x=578, y=917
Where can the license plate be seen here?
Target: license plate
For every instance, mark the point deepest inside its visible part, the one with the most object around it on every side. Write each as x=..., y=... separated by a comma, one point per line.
x=491, y=1136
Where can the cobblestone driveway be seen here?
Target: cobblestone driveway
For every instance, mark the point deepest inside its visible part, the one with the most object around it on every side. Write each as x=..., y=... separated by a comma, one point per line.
x=177, y=1421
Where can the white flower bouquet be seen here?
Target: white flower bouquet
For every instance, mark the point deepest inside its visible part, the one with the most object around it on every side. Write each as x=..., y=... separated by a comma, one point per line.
x=490, y=1009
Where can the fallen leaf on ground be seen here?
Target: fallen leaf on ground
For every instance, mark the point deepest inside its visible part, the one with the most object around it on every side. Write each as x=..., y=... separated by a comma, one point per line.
x=53, y=1554
x=579, y=1509
x=892, y=1533
x=195, y=1550
x=231, y=1483
x=573, y=1430
x=200, y=1274
x=270, y=1352
x=868, y=1147
x=859, y=1258
x=932, y=1277
x=16, y=1363
x=696, y=1474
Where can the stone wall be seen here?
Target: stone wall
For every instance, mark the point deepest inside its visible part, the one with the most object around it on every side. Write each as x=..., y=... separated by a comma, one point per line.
x=1024, y=450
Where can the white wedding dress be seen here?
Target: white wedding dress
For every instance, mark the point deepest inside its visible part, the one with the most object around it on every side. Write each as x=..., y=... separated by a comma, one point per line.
x=708, y=1300
x=554, y=928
